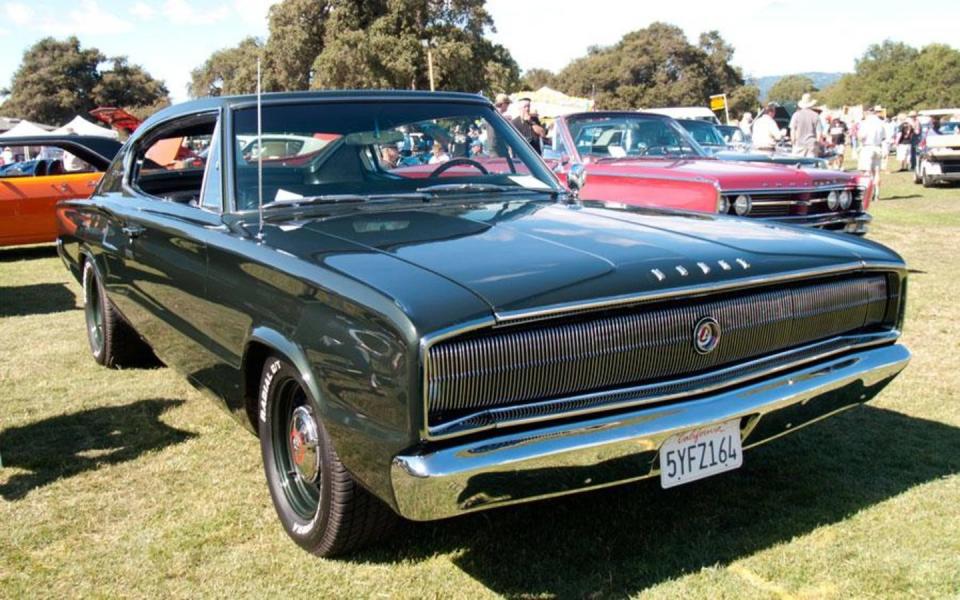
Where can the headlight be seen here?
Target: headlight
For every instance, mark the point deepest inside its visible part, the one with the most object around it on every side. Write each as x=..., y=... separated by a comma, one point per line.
x=833, y=201
x=723, y=205
x=742, y=205
x=846, y=199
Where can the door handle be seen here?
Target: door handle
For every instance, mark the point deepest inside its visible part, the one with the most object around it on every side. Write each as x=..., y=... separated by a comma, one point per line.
x=132, y=231
x=64, y=188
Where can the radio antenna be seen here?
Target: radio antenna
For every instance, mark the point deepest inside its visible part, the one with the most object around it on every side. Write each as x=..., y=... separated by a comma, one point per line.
x=259, y=157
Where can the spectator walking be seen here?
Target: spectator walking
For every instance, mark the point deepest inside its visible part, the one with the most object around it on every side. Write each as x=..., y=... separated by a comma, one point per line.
x=904, y=144
x=528, y=125
x=805, y=127
x=495, y=146
x=837, y=134
x=872, y=134
x=746, y=123
x=915, y=139
x=765, y=131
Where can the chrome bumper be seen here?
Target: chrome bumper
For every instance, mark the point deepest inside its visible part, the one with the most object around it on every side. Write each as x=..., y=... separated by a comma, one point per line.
x=440, y=481
x=849, y=223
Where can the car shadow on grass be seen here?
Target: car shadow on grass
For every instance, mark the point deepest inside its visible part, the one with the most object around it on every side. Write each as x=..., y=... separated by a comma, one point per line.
x=27, y=252
x=67, y=445
x=620, y=541
x=36, y=299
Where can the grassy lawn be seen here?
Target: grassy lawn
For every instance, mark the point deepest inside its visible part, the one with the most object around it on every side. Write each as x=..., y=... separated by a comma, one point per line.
x=130, y=483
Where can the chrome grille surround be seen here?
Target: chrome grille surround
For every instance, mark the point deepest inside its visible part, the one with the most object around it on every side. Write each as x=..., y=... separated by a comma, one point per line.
x=485, y=378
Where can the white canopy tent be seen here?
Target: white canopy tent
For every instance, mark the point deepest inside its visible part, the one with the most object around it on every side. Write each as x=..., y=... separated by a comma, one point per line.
x=25, y=128
x=550, y=103
x=81, y=126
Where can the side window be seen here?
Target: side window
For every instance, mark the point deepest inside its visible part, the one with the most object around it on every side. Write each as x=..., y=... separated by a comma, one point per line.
x=211, y=196
x=169, y=163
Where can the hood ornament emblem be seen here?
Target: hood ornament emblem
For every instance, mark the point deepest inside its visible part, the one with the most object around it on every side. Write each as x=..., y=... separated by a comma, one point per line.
x=706, y=335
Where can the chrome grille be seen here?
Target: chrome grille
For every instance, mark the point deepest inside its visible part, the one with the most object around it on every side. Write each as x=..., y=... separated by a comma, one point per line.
x=498, y=368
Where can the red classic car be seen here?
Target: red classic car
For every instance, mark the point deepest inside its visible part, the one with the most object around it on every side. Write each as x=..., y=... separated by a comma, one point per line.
x=648, y=159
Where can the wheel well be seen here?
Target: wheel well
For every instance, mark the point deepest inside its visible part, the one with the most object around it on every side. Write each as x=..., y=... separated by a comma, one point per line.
x=253, y=360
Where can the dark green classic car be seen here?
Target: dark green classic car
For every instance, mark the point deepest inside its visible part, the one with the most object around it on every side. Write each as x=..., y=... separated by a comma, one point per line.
x=420, y=321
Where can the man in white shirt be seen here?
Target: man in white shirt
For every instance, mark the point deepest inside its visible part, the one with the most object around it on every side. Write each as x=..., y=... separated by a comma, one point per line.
x=872, y=134
x=766, y=133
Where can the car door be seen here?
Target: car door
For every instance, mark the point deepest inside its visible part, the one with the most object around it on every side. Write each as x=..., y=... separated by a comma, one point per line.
x=155, y=243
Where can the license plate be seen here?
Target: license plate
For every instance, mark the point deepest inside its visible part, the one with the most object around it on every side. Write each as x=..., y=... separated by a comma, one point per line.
x=700, y=453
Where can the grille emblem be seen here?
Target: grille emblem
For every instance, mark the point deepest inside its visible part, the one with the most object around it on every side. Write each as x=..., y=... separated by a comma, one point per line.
x=706, y=335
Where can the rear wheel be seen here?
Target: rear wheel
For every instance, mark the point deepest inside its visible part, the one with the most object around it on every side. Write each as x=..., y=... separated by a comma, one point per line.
x=113, y=342
x=321, y=506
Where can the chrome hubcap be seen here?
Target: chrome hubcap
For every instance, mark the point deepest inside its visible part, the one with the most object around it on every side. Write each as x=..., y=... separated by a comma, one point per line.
x=304, y=445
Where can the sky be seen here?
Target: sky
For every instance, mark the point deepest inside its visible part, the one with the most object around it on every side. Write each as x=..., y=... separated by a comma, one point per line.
x=771, y=37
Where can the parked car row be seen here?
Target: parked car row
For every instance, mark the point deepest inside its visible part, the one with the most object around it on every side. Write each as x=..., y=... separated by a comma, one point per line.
x=647, y=159
x=431, y=339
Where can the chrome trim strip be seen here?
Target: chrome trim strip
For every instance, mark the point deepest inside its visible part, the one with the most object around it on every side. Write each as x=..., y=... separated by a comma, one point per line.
x=775, y=191
x=857, y=342
x=432, y=483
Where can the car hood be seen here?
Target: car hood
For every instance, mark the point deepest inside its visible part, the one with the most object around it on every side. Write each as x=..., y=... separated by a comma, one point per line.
x=730, y=175
x=519, y=256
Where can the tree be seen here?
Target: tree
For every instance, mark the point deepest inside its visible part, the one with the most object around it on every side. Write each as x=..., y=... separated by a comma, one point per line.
x=654, y=67
x=382, y=44
x=54, y=82
x=58, y=80
x=335, y=44
x=534, y=79
x=296, y=38
x=745, y=98
x=229, y=71
x=900, y=78
x=789, y=89
x=129, y=86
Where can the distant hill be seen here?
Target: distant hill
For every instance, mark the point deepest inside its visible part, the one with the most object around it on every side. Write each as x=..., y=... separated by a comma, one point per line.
x=820, y=79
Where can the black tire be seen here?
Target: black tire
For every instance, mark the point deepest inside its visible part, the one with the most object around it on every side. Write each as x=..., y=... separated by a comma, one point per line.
x=916, y=175
x=327, y=512
x=926, y=180
x=113, y=342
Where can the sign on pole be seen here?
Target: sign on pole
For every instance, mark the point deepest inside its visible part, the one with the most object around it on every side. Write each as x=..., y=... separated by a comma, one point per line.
x=719, y=102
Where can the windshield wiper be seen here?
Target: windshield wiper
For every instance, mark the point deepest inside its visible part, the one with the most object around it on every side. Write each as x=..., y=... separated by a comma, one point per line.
x=459, y=188
x=322, y=199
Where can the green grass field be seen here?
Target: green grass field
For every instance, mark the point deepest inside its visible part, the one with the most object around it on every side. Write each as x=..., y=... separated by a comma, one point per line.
x=130, y=483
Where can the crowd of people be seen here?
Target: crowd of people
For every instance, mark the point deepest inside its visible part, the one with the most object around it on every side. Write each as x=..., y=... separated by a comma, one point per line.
x=816, y=131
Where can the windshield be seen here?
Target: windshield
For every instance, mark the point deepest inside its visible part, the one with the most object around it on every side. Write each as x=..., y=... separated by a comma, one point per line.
x=705, y=133
x=382, y=148
x=624, y=135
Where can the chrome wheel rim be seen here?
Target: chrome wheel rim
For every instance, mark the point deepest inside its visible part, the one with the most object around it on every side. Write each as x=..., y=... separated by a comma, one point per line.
x=296, y=449
x=93, y=311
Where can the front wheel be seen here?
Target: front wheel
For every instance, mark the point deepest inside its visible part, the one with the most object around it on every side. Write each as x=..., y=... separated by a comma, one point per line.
x=321, y=506
x=926, y=180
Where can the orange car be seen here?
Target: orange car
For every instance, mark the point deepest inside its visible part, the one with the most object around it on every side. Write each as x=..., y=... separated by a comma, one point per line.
x=30, y=189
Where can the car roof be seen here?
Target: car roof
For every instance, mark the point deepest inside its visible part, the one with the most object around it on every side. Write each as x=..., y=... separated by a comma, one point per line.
x=95, y=150
x=616, y=113
x=218, y=102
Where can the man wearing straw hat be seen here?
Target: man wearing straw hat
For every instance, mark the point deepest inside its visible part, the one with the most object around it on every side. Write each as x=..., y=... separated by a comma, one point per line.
x=805, y=127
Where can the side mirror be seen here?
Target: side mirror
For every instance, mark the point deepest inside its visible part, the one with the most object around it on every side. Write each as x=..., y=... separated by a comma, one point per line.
x=576, y=178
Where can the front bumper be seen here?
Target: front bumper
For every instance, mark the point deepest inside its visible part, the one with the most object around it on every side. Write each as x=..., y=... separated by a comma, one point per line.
x=447, y=480
x=847, y=222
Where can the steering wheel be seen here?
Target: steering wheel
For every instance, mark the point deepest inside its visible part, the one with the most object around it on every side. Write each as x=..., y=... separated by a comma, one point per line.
x=458, y=161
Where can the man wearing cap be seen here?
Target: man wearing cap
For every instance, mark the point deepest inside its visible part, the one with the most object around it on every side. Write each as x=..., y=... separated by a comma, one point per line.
x=872, y=133
x=495, y=146
x=805, y=127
